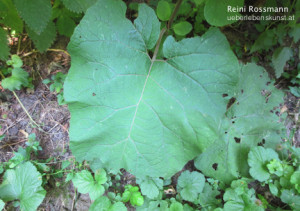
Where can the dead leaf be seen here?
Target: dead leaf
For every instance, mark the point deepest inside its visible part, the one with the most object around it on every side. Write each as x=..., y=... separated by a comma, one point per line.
x=283, y=109
x=24, y=133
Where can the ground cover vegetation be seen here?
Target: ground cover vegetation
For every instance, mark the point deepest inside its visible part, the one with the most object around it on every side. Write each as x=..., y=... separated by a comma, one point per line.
x=173, y=106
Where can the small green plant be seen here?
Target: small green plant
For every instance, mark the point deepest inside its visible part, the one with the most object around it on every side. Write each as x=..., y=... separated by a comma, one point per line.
x=133, y=195
x=103, y=203
x=286, y=35
x=57, y=82
x=22, y=180
x=19, y=77
x=23, y=154
x=22, y=184
x=64, y=18
x=282, y=177
x=170, y=204
x=151, y=187
x=295, y=81
x=190, y=184
x=86, y=183
x=239, y=195
x=208, y=198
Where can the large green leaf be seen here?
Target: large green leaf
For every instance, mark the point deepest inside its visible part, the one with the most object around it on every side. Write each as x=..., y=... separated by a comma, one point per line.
x=79, y=5
x=219, y=13
x=65, y=25
x=65, y=19
x=4, y=49
x=148, y=25
x=143, y=114
x=35, y=13
x=24, y=184
x=279, y=59
x=295, y=33
x=44, y=40
x=250, y=121
x=264, y=41
x=10, y=16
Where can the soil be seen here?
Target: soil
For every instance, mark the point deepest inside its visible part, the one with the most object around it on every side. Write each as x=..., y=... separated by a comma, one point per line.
x=53, y=121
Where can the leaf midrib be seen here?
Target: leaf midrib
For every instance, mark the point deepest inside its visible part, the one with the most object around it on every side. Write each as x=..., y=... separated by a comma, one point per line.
x=149, y=71
x=143, y=90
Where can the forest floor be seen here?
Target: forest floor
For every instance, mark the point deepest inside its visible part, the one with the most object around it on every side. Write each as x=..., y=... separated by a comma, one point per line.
x=53, y=120
x=51, y=132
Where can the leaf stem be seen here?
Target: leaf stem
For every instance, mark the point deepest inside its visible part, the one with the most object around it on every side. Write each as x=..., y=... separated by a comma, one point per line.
x=162, y=32
x=27, y=113
x=25, y=110
x=59, y=50
x=19, y=44
x=174, y=13
x=158, y=43
x=15, y=143
x=55, y=50
x=74, y=199
x=2, y=76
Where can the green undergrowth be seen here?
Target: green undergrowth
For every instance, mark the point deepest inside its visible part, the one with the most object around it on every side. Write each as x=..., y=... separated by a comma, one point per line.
x=41, y=19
